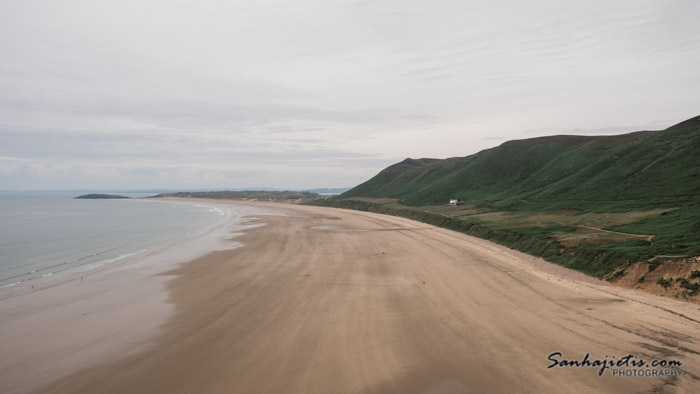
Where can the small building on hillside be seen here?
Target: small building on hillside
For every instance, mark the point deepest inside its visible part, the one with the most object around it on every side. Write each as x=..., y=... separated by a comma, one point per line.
x=455, y=202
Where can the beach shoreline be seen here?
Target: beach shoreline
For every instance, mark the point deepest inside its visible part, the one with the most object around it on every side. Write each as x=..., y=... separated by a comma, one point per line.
x=329, y=300
x=53, y=329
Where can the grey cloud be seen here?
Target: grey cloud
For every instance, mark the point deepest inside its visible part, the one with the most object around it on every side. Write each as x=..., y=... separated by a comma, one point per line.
x=608, y=130
x=185, y=114
x=161, y=93
x=158, y=146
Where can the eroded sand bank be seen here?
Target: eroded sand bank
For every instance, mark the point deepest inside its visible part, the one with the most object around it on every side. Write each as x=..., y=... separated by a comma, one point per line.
x=328, y=300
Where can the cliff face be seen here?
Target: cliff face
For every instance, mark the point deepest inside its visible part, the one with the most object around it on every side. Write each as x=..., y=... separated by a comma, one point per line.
x=678, y=278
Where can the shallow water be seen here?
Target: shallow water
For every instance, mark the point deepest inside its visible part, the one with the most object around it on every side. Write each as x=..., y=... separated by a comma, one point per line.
x=45, y=236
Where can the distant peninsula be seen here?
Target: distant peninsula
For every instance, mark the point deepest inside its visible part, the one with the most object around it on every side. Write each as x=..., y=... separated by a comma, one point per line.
x=251, y=195
x=100, y=196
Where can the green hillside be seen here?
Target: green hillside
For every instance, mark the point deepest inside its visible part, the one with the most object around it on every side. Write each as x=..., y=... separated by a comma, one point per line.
x=646, y=167
x=588, y=202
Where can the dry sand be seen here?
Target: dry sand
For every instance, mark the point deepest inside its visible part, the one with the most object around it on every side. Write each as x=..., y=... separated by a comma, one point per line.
x=333, y=301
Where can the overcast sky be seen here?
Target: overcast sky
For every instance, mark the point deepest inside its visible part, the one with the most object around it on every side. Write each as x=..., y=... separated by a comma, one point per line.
x=326, y=93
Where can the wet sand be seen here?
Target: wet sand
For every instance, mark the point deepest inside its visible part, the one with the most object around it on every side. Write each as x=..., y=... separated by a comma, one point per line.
x=328, y=300
x=50, y=329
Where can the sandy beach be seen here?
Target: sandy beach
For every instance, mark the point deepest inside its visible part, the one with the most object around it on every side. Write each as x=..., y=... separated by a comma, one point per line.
x=324, y=300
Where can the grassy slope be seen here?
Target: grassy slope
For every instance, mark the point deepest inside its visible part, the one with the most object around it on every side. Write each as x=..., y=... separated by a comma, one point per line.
x=636, y=166
x=631, y=172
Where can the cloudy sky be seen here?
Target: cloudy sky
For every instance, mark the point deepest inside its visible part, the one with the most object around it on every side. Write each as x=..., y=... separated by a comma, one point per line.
x=321, y=93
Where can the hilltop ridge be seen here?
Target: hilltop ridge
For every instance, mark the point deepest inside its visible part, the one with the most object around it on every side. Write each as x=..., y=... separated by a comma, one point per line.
x=642, y=165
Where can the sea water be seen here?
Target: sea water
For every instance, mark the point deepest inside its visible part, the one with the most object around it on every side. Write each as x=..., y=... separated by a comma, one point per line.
x=49, y=236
